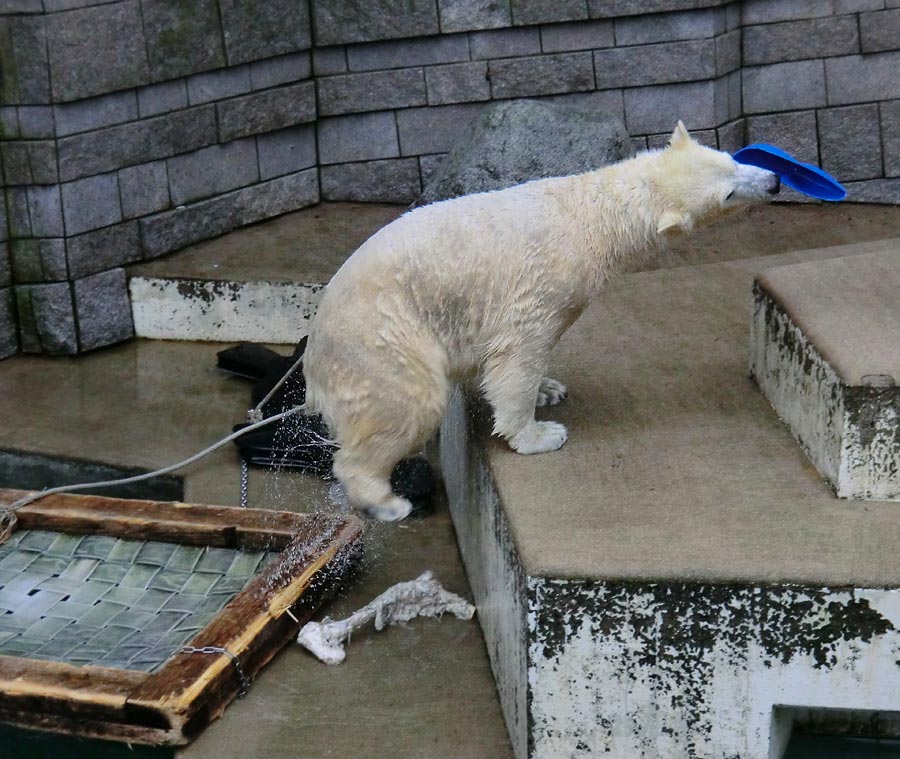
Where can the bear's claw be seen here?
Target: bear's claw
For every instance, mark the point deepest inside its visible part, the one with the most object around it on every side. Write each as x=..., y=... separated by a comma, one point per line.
x=550, y=392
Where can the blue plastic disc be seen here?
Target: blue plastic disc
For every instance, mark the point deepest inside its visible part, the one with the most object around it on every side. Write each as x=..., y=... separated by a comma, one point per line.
x=803, y=177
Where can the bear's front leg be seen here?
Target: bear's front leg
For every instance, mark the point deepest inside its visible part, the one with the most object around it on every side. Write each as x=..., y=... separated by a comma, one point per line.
x=511, y=384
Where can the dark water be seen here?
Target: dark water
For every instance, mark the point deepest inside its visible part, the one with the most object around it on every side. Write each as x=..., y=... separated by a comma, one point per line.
x=833, y=747
x=16, y=743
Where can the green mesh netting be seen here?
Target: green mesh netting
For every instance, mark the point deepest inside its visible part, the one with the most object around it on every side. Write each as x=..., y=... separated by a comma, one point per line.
x=128, y=604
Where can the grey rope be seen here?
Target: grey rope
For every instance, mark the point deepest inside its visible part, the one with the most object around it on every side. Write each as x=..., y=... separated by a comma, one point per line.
x=255, y=414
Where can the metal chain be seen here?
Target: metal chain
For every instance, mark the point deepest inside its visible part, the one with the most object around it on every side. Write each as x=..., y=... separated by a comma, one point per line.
x=245, y=481
x=243, y=681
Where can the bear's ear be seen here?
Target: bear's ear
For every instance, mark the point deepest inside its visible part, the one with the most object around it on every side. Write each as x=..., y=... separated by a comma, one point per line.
x=680, y=136
x=672, y=222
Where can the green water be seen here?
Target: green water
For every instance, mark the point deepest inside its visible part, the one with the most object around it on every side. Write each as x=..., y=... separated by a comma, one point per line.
x=31, y=744
x=832, y=747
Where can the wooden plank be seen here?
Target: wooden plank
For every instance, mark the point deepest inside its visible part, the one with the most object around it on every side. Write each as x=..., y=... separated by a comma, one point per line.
x=253, y=627
x=219, y=526
x=92, y=728
x=31, y=685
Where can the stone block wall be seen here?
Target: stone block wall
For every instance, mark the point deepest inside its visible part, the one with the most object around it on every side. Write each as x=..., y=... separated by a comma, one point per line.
x=131, y=128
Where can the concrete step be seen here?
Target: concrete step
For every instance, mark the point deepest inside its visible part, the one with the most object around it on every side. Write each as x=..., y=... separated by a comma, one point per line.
x=676, y=580
x=260, y=284
x=825, y=349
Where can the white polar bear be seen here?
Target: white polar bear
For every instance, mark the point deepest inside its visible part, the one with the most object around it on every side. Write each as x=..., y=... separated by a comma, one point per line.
x=482, y=287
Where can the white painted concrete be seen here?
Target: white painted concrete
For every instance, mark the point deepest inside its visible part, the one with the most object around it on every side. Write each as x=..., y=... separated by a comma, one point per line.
x=214, y=310
x=622, y=685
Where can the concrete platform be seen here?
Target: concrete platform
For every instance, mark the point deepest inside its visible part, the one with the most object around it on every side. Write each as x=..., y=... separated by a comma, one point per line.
x=678, y=570
x=825, y=349
x=259, y=284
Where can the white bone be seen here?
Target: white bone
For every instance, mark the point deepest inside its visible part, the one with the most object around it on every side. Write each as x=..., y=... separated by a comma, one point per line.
x=422, y=597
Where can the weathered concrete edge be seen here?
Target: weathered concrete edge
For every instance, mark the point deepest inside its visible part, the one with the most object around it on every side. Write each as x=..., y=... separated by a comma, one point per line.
x=222, y=311
x=848, y=433
x=495, y=574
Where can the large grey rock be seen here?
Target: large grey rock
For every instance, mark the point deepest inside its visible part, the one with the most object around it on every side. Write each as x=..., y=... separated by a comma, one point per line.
x=518, y=141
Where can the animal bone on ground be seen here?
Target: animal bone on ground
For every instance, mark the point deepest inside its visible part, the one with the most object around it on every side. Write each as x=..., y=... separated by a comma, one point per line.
x=422, y=597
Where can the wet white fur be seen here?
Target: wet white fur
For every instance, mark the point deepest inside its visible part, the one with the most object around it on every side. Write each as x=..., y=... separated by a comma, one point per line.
x=481, y=287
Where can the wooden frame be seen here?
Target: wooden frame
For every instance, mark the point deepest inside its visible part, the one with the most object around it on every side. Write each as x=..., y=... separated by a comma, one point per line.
x=172, y=705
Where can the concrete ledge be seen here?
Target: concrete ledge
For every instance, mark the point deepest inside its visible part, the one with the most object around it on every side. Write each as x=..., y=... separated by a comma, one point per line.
x=213, y=310
x=675, y=581
x=259, y=284
x=825, y=352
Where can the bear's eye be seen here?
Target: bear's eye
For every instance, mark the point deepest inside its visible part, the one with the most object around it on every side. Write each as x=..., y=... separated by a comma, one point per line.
x=730, y=195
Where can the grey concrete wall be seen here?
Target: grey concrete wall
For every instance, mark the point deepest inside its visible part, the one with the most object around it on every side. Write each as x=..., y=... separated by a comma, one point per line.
x=131, y=128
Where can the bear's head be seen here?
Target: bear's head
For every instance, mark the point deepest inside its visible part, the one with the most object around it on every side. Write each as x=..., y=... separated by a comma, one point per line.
x=696, y=184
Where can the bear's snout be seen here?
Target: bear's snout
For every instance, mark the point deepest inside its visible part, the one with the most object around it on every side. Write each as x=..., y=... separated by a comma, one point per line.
x=775, y=185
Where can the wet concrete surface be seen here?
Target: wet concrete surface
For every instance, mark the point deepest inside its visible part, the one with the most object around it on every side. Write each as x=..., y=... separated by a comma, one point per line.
x=676, y=466
x=424, y=690
x=306, y=246
x=420, y=691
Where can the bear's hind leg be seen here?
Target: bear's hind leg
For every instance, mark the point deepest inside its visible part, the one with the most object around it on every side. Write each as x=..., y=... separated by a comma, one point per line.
x=368, y=486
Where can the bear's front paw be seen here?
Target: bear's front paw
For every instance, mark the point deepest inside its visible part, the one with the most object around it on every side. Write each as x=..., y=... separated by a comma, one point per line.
x=550, y=392
x=540, y=437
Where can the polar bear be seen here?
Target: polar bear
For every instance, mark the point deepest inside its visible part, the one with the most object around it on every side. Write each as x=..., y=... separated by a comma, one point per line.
x=481, y=287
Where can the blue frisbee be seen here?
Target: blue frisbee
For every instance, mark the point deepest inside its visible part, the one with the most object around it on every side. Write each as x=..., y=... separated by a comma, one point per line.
x=803, y=177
